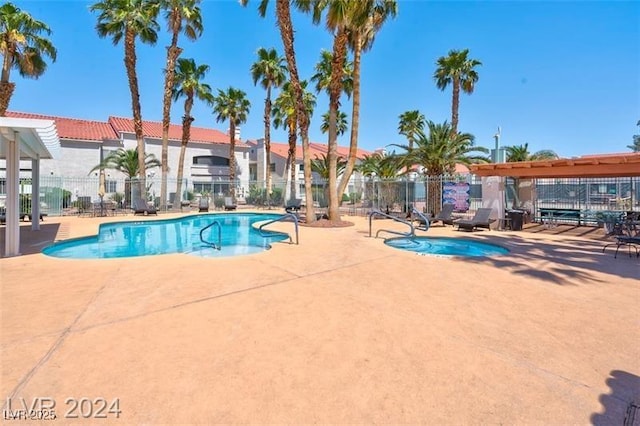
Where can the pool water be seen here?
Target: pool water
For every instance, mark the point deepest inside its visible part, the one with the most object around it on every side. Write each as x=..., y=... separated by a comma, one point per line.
x=180, y=235
x=446, y=246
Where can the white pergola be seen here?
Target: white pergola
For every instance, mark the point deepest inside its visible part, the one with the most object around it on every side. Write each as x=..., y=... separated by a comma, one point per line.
x=24, y=138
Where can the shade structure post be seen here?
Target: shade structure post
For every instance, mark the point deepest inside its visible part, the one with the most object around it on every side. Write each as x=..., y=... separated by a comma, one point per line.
x=12, y=231
x=35, y=194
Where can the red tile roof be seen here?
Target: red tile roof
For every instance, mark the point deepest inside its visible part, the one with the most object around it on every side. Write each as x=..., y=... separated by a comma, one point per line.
x=153, y=129
x=316, y=150
x=342, y=150
x=73, y=128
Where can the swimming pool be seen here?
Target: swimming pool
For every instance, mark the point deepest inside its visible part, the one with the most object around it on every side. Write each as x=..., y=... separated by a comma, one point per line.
x=446, y=246
x=180, y=235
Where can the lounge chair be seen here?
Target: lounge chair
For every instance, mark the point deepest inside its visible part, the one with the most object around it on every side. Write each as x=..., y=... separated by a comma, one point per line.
x=229, y=204
x=293, y=206
x=480, y=220
x=141, y=207
x=203, y=205
x=444, y=216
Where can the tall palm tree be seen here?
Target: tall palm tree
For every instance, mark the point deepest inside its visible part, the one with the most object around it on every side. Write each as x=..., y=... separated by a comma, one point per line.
x=361, y=38
x=343, y=124
x=22, y=47
x=411, y=122
x=270, y=71
x=234, y=106
x=340, y=15
x=130, y=20
x=322, y=76
x=283, y=17
x=183, y=16
x=458, y=70
x=188, y=84
x=438, y=153
x=126, y=161
x=284, y=115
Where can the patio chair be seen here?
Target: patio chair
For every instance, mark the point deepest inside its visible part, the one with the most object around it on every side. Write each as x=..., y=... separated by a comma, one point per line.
x=628, y=234
x=141, y=207
x=229, y=204
x=203, y=205
x=293, y=205
x=480, y=220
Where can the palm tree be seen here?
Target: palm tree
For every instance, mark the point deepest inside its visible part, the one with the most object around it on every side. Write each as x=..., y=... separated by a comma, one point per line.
x=361, y=38
x=22, y=47
x=456, y=69
x=231, y=105
x=519, y=153
x=322, y=76
x=438, y=153
x=322, y=167
x=411, y=122
x=284, y=114
x=340, y=15
x=635, y=147
x=130, y=19
x=183, y=16
x=188, y=84
x=283, y=16
x=270, y=71
x=386, y=168
x=126, y=161
x=343, y=124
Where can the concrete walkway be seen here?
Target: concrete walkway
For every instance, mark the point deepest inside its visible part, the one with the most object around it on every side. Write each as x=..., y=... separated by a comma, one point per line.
x=340, y=329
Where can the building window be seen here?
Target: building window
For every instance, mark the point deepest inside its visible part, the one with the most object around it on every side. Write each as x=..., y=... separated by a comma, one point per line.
x=273, y=167
x=215, y=188
x=301, y=167
x=210, y=160
x=111, y=185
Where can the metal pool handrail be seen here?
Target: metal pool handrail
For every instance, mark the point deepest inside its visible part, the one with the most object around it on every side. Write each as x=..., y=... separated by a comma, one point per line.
x=411, y=233
x=219, y=245
x=423, y=217
x=279, y=219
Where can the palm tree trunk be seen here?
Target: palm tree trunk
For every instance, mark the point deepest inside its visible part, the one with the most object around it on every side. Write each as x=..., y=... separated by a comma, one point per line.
x=434, y=191
x=283, y=13
x=186, y=134
x=232, y=159
x=173, y=52
x=335, y=89
x=6, y=87
x=454, y=105
x=355, y=118
x=130, y=64
x=267, y=141
x=291, y=157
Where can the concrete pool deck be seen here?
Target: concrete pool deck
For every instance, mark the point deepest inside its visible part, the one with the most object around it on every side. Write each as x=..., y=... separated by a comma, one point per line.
x=340, y=329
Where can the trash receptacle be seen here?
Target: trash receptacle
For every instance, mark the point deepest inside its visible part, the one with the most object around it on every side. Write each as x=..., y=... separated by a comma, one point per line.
x=517, y=219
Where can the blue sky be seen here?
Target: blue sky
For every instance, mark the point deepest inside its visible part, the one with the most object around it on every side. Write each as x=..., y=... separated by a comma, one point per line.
x=557, y=75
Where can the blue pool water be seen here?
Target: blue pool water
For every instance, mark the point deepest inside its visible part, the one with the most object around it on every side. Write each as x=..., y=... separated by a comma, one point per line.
x=180, y=235
x=444, y=246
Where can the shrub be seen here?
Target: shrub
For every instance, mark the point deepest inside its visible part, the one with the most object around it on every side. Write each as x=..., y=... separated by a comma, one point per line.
x=218, y=202
x=355, y=197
